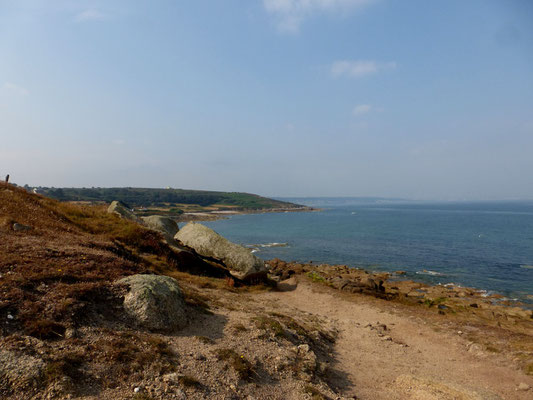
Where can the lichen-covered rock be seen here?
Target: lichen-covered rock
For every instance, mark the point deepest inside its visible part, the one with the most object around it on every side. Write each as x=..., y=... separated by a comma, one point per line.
x=165, y=225
x=19, y=371
x=118, y=208
x=155, y=302
x=240, y=262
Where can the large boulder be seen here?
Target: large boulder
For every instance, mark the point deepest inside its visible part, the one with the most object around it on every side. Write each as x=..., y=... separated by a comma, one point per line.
x=165, y=225
x=120, y=209
x=155, y=302
x=240, y=262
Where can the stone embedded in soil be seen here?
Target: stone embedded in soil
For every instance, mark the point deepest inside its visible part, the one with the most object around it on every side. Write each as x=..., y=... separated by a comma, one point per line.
x=155, y=302
x=20, y=227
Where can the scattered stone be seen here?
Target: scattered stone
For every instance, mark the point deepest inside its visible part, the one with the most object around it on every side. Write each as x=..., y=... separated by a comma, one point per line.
x=523, y=386
x=287, y=285
x=207, y=243
x=173, y=378
x=71, y=333
x=474, y=305
x=303, y=348
x=155, y=302
x=20, y=227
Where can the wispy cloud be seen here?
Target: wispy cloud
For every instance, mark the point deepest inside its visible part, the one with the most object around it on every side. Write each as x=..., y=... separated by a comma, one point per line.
x=361, y=109
x=90, y=15
x=16, y=89
x=290, y=14
x=359, y=68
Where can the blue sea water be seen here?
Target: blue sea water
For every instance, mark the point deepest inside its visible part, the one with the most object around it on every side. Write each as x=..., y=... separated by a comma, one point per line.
x=483, y=245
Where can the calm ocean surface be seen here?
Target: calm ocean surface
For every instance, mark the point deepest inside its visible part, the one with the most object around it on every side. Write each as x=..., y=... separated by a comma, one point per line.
x=484, y=245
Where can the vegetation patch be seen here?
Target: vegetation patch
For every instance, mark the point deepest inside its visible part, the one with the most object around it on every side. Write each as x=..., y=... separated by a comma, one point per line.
x=189, y=381
x=529, y=369
x=68, y=365
x=240, y=364
x=271, y=325
x=316, y=277
x=44, y=329
x=434, y=302
x=313, y=392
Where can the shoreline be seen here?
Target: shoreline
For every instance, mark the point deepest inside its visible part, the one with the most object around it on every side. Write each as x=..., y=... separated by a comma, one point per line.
x=446, y=298
x=224, y=214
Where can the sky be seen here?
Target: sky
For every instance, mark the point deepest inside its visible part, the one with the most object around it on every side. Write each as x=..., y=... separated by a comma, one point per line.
x=414, y=99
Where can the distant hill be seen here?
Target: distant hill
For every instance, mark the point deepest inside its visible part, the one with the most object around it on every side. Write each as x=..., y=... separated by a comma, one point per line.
x=147, y=197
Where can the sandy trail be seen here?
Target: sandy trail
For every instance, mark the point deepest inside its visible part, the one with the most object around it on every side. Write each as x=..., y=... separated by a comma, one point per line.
x=406, y=360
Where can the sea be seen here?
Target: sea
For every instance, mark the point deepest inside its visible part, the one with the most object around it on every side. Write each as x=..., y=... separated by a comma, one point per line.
x=484, y=245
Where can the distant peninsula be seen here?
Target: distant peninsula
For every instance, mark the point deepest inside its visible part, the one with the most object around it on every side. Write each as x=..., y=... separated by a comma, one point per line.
x=182, y=204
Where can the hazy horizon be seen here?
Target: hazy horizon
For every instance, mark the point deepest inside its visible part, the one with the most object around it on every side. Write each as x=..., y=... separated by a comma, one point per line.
x=282, y=98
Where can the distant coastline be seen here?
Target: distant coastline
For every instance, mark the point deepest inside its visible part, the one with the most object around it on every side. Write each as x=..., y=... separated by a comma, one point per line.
x=224, y=214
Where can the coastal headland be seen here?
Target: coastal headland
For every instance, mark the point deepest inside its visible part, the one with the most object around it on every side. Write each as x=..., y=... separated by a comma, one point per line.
x=100, y=303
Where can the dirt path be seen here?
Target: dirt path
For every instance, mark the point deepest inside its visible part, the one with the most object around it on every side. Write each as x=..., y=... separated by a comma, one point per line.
x=389, y=354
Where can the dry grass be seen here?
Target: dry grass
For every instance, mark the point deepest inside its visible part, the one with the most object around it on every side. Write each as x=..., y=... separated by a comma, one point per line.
x=270, y=325
x=189, y=381
x=238, y=328
x=314, y=393
x=66, y=365
x=239, y=363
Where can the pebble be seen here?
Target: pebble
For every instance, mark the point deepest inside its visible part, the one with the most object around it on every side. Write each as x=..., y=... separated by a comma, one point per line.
x=136, y=390
x=523, y=386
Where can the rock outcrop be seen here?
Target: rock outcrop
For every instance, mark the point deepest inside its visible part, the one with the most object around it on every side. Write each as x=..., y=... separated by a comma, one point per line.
x=240, y=262
x=165, y=225
x=118, y=208
x=19, y=370
x=155, y=302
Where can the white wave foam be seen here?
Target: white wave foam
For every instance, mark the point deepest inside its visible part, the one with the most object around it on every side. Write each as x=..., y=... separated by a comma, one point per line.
x=265, y=245
x=429, y=272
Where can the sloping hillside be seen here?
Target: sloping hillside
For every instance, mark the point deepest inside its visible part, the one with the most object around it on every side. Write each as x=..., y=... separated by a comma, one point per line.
x=64, y=331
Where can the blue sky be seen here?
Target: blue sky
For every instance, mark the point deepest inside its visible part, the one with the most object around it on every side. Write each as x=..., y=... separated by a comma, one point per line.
x=414, y=99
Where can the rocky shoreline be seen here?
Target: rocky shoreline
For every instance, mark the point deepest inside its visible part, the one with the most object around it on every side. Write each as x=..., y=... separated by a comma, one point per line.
x=224, y=214
x=444, y=299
